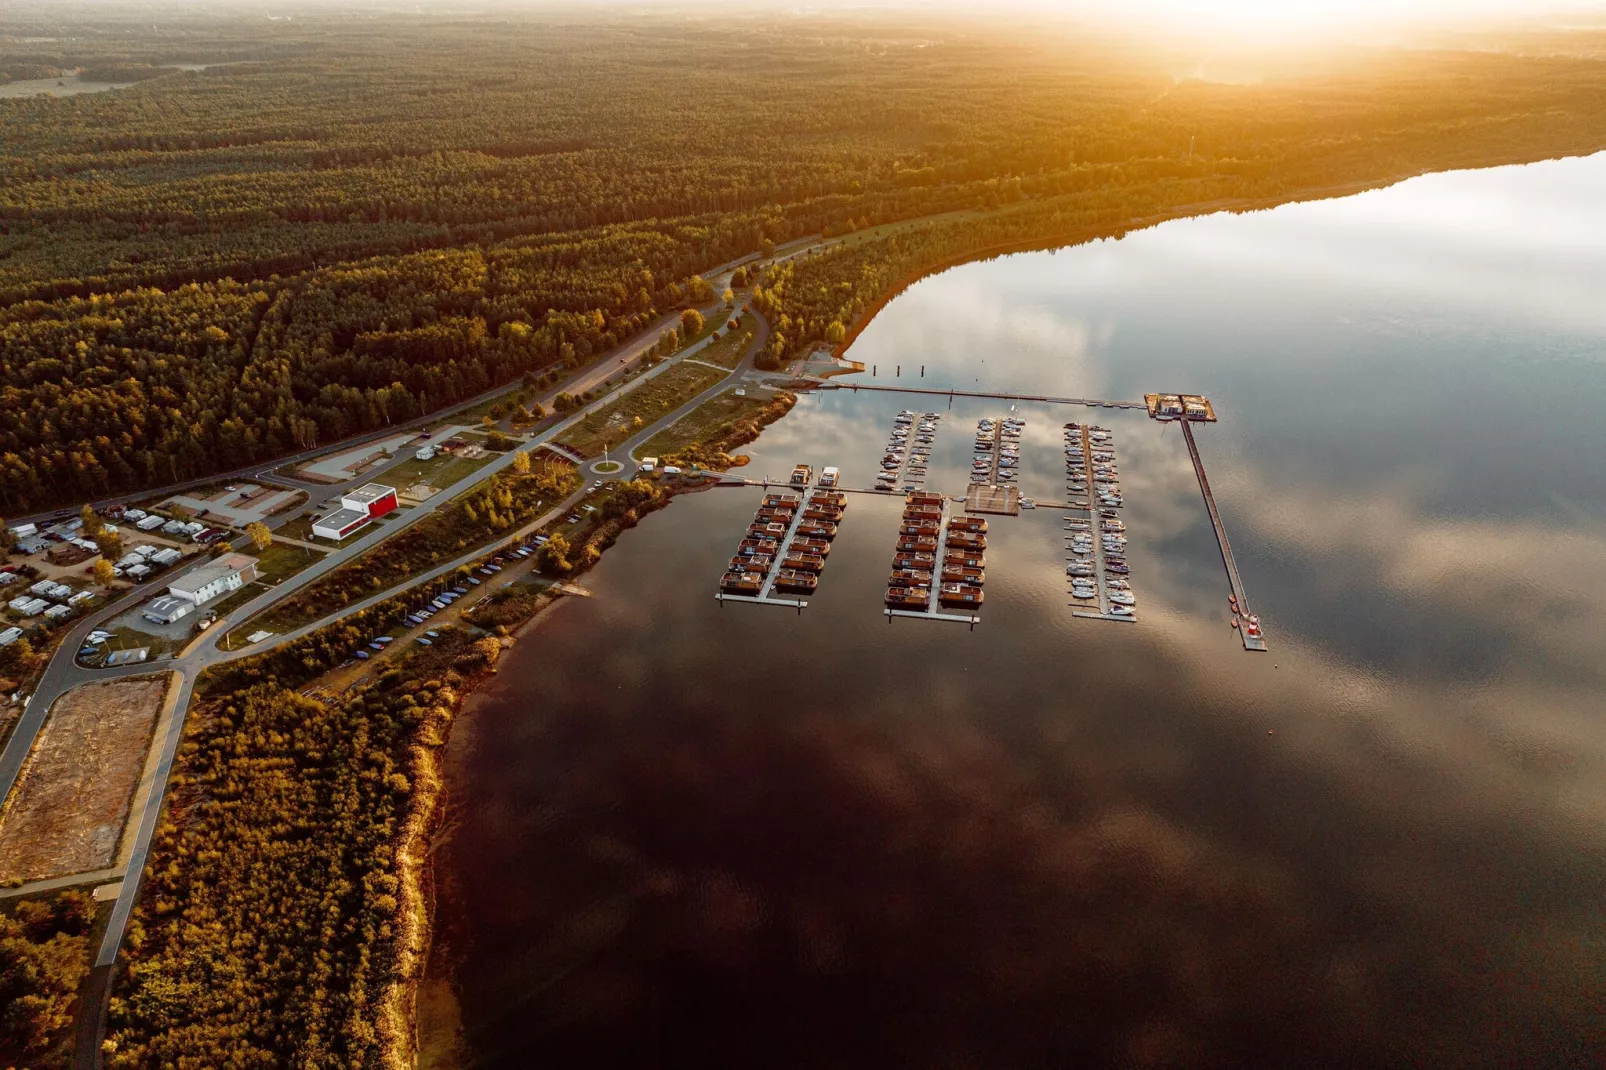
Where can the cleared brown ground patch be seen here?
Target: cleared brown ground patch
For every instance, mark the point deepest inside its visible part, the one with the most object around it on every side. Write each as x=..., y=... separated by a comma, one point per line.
x=69, y=806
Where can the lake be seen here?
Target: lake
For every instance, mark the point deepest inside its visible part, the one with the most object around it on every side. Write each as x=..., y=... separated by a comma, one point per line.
x=686, y=834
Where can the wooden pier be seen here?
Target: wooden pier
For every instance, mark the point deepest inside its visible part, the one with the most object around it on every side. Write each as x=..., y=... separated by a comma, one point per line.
x=1251, y=642
x=764, y=596
x=1092, y=403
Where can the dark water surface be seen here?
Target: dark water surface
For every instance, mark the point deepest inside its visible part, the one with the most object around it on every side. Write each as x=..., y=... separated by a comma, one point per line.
x=694, y=836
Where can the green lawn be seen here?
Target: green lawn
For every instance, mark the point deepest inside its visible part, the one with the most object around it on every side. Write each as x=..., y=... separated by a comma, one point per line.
x=702, y=423
x=440, y=472
x=618, y=420
x=729, y=350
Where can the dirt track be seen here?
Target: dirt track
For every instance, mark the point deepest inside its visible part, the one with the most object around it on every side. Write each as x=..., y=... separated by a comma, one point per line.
x=67, y=811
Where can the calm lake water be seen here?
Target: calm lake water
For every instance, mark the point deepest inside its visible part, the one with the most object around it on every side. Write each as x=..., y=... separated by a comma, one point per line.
x=695, y=836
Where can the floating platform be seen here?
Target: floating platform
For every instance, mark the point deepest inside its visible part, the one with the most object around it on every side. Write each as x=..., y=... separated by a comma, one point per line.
x=998, y=501
x=1191, y=408
x=1094, y=532
x=934, y=609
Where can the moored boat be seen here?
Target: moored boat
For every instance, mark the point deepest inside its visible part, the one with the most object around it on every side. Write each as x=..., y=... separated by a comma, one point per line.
x=909, y=577
x=973, y=524
x=818, y=547
x=796, y=580
x=967, y=540
x=960, y=594
x=961, y=574
x=912, y=545
x=741, y=582
x=803, y=562
x=817, y=529
x=908, y=598
x=921, y=562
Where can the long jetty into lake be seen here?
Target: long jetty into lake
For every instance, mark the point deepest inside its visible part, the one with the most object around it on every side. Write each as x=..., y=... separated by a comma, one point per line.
x=1251, y=642
x=1094, y=403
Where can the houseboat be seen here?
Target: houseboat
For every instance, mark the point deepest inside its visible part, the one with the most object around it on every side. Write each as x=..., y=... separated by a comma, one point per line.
x=794, y=580
x=802, y=475
x=803, y=562
x=960, y=595
x=748, y=547
x=922, y=512
x=964, y=559
x=759, y=563
x=829, y=477
x=916, y=545
x=974, y=524
x=923, y=498
x=963, y=574
x=822, y=512
x=909, y=577
x=741, y=583
x=766, y=531
x=921, y=562
x=829, y=497
x=920, y=527
x=781, y=501
x=818, y=547
x=914, y=598
x=817, y=529
x=967, y=540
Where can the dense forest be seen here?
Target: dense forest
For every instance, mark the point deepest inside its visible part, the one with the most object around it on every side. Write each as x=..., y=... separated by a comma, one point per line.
x=338, y=226
x=44, y=957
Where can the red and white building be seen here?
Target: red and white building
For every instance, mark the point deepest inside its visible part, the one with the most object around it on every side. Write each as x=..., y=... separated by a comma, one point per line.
x=357, y=508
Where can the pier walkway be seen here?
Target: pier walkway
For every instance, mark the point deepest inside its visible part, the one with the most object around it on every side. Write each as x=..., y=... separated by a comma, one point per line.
x=1251, y=642
x=1092, y=403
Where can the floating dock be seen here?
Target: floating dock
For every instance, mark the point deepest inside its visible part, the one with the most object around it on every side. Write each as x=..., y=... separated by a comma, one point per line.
x=766, y=595
x=1100, y=575
x=1256, y=643
x=934, y=610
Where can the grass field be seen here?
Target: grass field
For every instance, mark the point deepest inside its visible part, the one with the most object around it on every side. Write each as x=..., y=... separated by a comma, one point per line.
x=274, y=565
x=440, y=472
x=702, y=423
x=729, y=350
x=617, y=421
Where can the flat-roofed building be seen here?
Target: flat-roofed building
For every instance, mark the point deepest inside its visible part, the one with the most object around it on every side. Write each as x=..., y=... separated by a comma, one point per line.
x=167, y=609
x=357, y=508
x=228, y=573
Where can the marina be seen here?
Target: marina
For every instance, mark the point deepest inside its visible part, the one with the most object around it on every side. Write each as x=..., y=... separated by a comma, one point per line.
x=786, y=545
x=920, y=585
x=1096, y=568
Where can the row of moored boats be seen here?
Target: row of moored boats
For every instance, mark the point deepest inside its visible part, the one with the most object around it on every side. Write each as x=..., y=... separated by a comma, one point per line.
x=996, y=459
x=796, y=563
x=917, y=572
x=908, y=451
x=1100, y=540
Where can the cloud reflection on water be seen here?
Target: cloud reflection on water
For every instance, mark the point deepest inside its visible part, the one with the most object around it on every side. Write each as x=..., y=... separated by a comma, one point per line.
x=720, y=837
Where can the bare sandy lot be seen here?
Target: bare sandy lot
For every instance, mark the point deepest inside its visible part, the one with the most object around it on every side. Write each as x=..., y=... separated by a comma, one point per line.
x=68, y=809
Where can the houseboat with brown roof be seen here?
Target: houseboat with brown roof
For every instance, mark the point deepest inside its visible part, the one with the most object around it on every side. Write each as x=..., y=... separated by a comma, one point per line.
x=789, y=579
x=822, y=512
x=973, y=524
x=757, y=546
x=766, y=531
x=803, y=562
x=960, y=595
x=818, y=547
x=923, y=562
x=923, y=498
x=909, y=577
x=967, y=540
x=759, y=563
x=913, y=598
x=920, y=527
x=964, y=559
x=829, y=497
x=817, y=529
x=802, y=475
x=921, y=512
x=917, y=545
x=963, y=574
x=774, y=516
x=781, y=501
x=741, y=582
